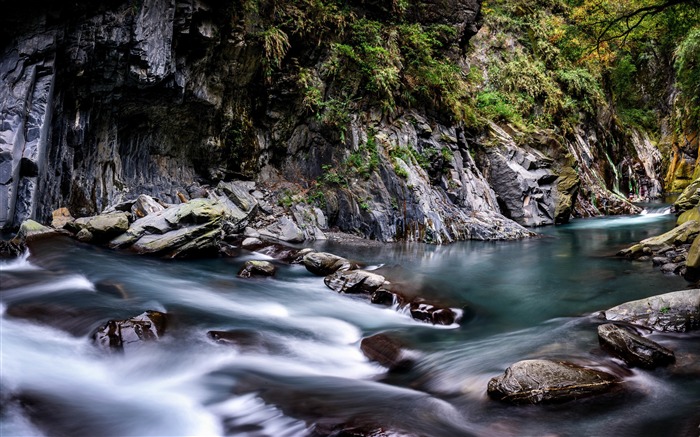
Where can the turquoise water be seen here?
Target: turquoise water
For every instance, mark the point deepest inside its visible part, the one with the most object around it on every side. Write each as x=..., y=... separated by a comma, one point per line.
x=527, y=299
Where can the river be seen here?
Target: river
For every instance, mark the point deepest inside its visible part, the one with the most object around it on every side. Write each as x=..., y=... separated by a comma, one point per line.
x=303, y=372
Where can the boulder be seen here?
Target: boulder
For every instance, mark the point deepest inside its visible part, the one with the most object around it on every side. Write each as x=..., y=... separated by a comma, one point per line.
x=145, y=205
x=632, y=348
x=120, y=335
x=536, y=381
x=239, y=193
x=324, y=263
x=30, y=230
x=388, y=352
x=257, y=268
x=193, y=228
x=60, y=218
x=283, y=230
x=354, y=281
x=103, y=227
x=678, y=311
x=251, y=242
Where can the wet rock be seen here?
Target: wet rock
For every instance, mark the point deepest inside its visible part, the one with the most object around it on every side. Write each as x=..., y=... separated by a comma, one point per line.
x=323, y=263
x=382, y=296
x=536, y=381
x=121, y=335
x=145, y=205
x=678, y=311
x=436, y=315
x=632, y=348
x=388, y=352
x=257, y=268
x=11, y=249
x=354, y=281
x=61, y=217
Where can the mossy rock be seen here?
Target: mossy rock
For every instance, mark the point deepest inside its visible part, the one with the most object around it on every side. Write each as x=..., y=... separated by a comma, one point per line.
x=30, y=230
x=691, y=214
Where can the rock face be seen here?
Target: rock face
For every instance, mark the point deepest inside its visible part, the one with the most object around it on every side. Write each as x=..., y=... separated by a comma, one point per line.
x=523, y=179
x=678, y=311
x=632, y=348
x=160, y=98
x=536, y=381
x=122, y=335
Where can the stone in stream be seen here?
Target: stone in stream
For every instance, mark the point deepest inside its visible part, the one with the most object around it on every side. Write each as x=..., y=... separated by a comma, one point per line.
x=537, y=381
x=678, y=311
x=323, y=263
x=432, y=314
x=257, y=268
x=126, y=334
x=632, y=348
x=354, y=281
x=388, y=352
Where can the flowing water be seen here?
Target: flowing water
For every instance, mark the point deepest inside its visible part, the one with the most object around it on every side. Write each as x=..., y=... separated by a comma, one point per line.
x=305, y=372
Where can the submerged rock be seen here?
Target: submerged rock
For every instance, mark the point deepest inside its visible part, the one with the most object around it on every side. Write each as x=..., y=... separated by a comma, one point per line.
x=536, y=381
x=678, y=311
x=257, y=268
x=633, y=349
x=119, y=335
x=388, y=352
x=354, y=281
